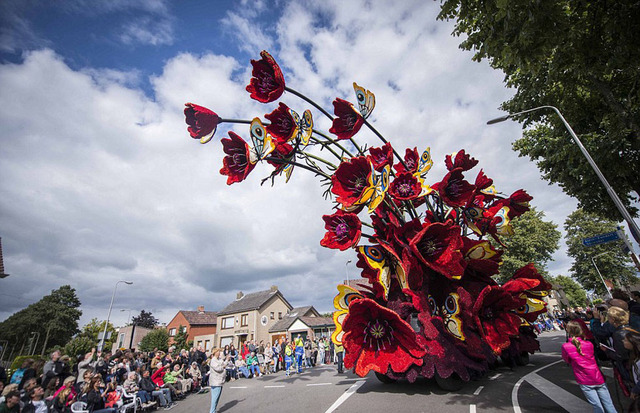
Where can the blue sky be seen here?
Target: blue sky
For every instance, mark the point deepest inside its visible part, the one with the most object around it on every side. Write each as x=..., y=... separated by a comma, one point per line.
x=101, y=182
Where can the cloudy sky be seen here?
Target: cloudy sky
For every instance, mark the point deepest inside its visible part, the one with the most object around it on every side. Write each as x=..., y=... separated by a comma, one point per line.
x=100, y=181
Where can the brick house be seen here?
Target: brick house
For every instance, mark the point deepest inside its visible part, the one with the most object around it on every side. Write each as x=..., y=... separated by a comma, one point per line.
x=196, y=323
x=129, y=337
x=251, y=316
x=305, y=321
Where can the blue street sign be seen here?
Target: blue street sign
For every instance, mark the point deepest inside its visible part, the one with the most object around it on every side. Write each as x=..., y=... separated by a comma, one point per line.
x=601, y=239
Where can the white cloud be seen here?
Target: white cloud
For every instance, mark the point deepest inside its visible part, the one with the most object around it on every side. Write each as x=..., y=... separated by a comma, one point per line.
x=147, y=31
x=101, y=183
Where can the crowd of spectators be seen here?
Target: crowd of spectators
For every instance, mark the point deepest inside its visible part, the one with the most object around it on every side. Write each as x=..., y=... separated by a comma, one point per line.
x=105, y=382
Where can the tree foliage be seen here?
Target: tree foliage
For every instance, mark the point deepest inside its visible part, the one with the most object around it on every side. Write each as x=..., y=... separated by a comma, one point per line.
x=614, y=264
x=145, y=319
x=576, y=295
x=534, y=240
x=79, y=345
x=58, y=313
x=158, y=338
x=582, y=57
x=180, y=339
x=94, y=329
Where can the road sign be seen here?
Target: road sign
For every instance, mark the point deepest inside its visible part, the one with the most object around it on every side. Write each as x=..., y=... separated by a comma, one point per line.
x=601, y=239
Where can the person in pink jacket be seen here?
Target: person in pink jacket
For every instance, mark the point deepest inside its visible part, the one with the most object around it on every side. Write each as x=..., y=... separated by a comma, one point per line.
x=578, y=353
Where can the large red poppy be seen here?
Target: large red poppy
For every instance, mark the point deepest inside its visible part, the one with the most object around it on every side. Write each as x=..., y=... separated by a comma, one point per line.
x=381, y=157
x=438, y=246
x=267, y=83
x=350, y=180
x=376, y=338
x=282, y=124
x=518, y=203
x=460, y=160
x=405, y=187
x=202, y=122
x=236, y=164
x=411, y=160
x=347, y=122
x=453, y=189
x=343, y=230
x=494, y=316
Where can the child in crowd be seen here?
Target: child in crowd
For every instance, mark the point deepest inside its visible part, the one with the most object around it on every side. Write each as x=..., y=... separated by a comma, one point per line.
x=578, y=353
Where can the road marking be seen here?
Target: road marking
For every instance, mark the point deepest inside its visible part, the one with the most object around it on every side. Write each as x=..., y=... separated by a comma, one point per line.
x=472, y=408
x=345, y=396
x=495, y=376
x=272, y=387
x=238, y=387
x=560, y=396
x=319, y=384
x=531, y=365
x=478, y=390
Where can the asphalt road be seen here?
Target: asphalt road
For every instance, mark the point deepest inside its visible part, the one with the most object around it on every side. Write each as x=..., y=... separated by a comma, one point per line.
x=545, y=384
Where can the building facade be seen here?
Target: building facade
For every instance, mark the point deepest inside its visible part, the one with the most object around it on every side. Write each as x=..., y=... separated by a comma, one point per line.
x=303, y=321
x=195, y=323
x=129, y=337
x=251, y=316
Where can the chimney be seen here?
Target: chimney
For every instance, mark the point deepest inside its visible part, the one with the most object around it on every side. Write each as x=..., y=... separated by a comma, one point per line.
x=239, y=295
x=274, y=288
x=201, y=309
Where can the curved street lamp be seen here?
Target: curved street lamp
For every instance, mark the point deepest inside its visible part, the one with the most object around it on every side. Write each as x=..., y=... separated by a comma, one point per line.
x=104, y=333
x=633, y=227
x=593, y=260
x=346, y=270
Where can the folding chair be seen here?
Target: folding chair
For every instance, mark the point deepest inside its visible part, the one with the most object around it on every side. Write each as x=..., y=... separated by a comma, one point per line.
x=79, y=407
x=128, y=400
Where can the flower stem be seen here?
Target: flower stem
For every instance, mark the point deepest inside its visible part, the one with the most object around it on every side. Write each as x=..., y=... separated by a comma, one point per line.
x=333, y=141
x=308, y=168
x=311, y=102
x=367, y=225
x=248, y=122
x=385, y=141
x=326, y=145
x=317, y=158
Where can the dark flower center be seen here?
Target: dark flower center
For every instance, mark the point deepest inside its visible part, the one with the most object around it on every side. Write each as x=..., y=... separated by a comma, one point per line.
x=405, y=189
x=349, y=121
x=267, y=81
x=342, y=230
x=430, y=247
x=378, y=334
x=488, y=313
x=454, y=188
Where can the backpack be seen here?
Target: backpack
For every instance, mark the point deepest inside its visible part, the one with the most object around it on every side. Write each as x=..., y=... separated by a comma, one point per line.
x=16, y=378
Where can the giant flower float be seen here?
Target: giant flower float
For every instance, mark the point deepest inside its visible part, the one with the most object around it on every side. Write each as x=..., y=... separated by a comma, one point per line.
x=427, y=305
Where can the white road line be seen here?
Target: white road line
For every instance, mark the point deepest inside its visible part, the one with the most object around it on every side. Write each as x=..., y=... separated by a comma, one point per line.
x=478, y=390
x=560, y=396
x=319, y=384
x=272, y=387
x=345, y=396
x=514, y=392
x=237, y=387
x=495, y=376
x=472, y=408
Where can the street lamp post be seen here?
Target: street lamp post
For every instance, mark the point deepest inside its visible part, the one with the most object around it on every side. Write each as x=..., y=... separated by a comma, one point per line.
x=635, y=231
x=346, y=270
x=104, y=333
x=129, y=317
x=593, y=260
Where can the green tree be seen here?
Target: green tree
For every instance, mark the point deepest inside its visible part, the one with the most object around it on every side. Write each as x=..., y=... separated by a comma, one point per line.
x=145, y=319
x=157, y=338
x=180, y=339
x=95, y=328
x=534, y=240
x=613, y=264
x=576, y=295
x=79, y=345
x=54, y=317
x=582, y=57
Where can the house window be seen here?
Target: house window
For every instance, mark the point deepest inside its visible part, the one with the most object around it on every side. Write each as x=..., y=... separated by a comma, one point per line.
x=279, y=315
x=227, y=322
x=199, y=343
x=207, y=345
x=244, y=322
x=184, y=329
x=172, y=332
x=272, y=315
x=121, y=340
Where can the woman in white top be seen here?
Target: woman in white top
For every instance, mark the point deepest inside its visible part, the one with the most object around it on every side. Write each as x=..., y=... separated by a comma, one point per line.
x=217, y=376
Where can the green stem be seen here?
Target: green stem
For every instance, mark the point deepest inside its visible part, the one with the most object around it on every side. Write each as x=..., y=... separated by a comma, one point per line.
x=248, y=122
x=333, y=141
x=317, y=158
x=385, y=141
x=356, y=146
x=368, y=225
x=311, y=102
x=308, y=168
x=326, y=145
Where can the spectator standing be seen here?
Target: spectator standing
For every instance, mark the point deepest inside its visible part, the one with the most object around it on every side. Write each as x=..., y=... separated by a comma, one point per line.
x=321, y=350
x=578, y=353
x=619, y=319
x=340, y=355
x=216, y=377
x=299, y=350
x=85, y=364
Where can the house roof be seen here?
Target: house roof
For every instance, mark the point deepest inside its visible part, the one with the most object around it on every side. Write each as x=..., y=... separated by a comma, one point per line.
x=200, y=318
x=302, y=311
x=312, y=321
x=252, y=301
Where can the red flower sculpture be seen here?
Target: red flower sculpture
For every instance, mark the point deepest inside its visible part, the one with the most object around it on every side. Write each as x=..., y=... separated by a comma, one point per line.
x=460, y=160
x=202, y=122
x=405, y=187
x=236, y=164
x=348, y=121
x=376, y=338
x=267, y=83
x=518, y=203
x=438, y=246
x=411, y=159
x=282, y=124
x=494, y=317
x=350, y=180
x=453, y=189
x=343, y=230
x=381, y=157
